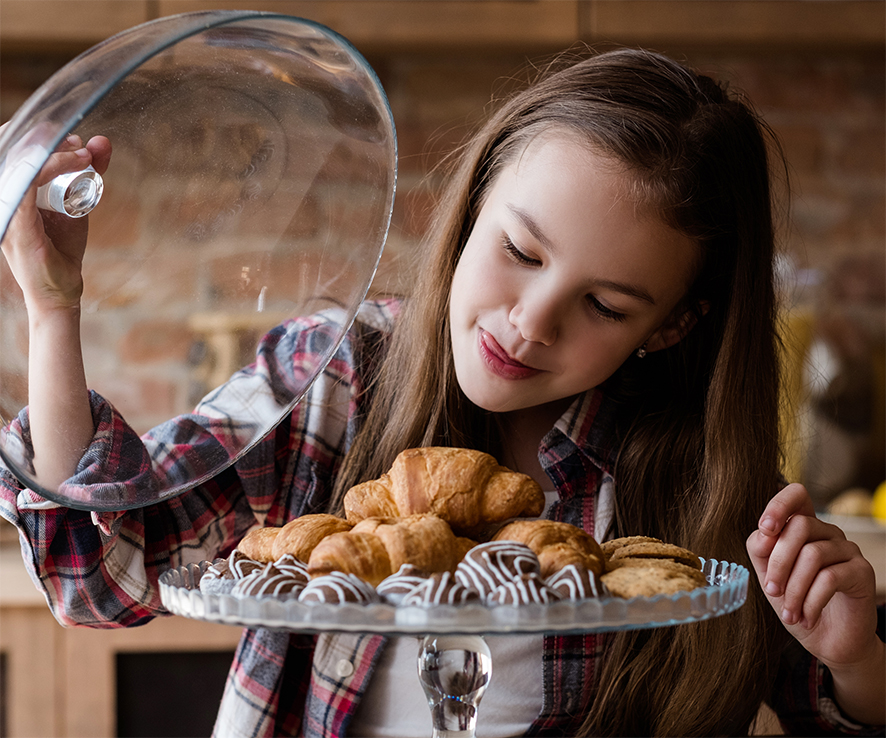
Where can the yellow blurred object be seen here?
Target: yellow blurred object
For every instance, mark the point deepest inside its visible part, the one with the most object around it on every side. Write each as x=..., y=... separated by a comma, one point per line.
x=797, y=333
x=878, y=506
x=856, y=502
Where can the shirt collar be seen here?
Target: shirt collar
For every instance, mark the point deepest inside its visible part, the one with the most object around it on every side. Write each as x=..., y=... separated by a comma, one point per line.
x=589, y=423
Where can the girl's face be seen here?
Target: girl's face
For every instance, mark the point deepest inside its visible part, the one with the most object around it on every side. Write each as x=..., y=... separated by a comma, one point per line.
x=562, y=278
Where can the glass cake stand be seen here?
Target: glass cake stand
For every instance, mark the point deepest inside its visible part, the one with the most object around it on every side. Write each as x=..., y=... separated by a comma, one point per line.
x=454, y=661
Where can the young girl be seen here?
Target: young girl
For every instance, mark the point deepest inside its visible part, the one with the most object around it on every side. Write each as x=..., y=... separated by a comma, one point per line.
x=596, y=309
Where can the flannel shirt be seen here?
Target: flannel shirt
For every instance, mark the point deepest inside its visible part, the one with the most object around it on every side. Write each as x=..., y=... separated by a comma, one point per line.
x=101, y=570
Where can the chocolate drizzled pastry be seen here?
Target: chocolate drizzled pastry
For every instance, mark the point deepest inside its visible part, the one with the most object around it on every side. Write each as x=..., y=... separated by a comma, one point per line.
x=269, y=582
x=574, y=582
x=487, y=566
x=441, y=588
x=338, y=587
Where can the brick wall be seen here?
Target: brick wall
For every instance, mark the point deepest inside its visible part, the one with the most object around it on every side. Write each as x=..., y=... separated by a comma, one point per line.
x=828, y=109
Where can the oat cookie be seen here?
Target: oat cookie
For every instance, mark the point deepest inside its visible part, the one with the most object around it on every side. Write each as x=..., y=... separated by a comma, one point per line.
x=646, y=581
x=612, y=546
x=668, y=564
x=658, y=550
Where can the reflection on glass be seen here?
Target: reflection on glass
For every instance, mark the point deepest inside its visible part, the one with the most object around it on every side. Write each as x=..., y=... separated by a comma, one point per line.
x=251, y=182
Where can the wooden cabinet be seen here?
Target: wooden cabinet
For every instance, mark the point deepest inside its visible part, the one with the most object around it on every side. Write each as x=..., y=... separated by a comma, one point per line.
x=29, y=24
x=736, y=22
x=493, y=24
x=61, y=682
x=397, y=24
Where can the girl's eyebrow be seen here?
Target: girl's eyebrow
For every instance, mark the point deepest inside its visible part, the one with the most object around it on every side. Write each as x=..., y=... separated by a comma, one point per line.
x=626, y=289
x=530, y=224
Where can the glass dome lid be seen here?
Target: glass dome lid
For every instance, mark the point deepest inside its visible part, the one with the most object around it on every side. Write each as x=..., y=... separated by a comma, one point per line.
x=250, y=186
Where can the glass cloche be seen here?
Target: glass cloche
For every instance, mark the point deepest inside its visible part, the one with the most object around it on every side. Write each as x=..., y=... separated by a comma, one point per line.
x=251, y=182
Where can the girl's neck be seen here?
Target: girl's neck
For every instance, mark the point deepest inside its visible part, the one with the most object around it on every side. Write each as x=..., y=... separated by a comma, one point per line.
x=522, y=431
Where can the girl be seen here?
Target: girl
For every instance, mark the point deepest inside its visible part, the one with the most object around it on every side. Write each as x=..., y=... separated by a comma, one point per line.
x=596, y=309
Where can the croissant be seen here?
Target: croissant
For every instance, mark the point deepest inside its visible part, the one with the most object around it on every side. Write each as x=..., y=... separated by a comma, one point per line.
x=258, y=544
x=466, y=488
x=375, y=548
x=362, y=554
x=556, y=544
x=298, y=537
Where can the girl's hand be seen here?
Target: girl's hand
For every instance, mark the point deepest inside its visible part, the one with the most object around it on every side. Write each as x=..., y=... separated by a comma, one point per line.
x=45, y=249
x=824, y=592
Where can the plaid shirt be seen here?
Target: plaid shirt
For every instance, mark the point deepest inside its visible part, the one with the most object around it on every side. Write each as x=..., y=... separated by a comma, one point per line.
x=101, y=570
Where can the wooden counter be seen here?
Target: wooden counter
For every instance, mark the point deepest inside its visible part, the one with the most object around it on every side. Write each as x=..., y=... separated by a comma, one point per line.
x=61, y=682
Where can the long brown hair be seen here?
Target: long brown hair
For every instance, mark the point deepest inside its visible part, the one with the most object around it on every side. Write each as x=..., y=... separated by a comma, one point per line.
x=699, y=451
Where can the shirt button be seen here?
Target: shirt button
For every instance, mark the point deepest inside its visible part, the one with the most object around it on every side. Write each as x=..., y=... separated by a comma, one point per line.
x=344, y=668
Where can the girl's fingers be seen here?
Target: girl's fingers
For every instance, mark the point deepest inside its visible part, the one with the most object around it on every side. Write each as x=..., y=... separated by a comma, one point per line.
x=801, y=534
x=851, y=577
x=811, y=581
x=72, y=155
x=760, y=547
x=62, y=161
x=100, y=148
x=792, y=500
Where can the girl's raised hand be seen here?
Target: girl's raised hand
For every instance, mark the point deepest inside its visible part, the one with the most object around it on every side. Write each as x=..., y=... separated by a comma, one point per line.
x=45, y=249
x=824, y=592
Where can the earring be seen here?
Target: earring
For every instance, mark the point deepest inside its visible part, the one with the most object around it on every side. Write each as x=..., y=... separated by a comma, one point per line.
x=641, y=352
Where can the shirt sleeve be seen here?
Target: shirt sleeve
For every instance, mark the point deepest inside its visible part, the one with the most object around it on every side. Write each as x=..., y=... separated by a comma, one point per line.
x=804, y=697
x=102, y=570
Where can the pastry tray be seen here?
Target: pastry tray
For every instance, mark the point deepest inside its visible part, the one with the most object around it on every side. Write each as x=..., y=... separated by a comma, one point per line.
x=726, y=591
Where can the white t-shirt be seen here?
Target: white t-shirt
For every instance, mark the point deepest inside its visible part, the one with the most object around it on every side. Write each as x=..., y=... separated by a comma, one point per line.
x=394, y=704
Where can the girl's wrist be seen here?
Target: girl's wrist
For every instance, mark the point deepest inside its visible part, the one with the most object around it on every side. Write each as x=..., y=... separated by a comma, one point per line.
x=42, y=312
x=860, y=690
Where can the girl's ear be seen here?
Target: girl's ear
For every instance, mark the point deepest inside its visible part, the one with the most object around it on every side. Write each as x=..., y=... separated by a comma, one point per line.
x=675, y=328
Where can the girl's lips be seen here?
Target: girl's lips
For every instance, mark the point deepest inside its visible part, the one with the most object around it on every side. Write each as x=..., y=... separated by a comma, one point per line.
x=498, y=360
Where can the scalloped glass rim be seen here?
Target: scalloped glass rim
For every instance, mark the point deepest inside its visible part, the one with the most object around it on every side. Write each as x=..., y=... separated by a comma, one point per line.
x=726, y=592
x=77, y=90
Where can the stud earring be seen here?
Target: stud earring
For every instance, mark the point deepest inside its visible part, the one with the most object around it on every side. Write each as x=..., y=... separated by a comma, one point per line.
x=641, y=352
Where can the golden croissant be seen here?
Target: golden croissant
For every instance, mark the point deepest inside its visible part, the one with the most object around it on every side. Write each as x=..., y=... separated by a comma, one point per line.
x=556, y=544
x=375, y=548
x=298, y=537
x=466, y=488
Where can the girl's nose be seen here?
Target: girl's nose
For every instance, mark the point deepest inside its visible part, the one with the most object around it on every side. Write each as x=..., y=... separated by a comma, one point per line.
x=537, y=317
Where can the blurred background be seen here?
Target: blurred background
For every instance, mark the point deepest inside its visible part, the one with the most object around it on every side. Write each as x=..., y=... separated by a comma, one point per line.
x=814, y=69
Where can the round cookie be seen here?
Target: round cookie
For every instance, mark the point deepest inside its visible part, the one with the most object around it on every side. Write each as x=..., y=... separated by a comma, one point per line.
x=669, y=564
x=646, y=581
x=610, y=547
x=657, y=550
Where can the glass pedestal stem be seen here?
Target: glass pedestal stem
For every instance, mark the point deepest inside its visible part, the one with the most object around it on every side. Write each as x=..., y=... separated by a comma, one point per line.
x=454, y=671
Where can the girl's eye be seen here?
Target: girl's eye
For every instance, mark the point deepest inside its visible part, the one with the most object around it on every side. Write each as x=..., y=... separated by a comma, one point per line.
x=518, y=255
x=605, y=312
